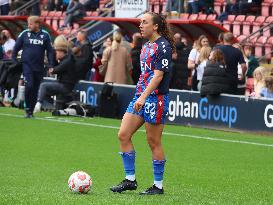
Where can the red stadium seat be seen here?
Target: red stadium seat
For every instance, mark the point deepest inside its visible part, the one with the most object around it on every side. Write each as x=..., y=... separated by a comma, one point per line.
x=268, y=47
x=259, y=46
x=56, y=19
x=211, y=17
x=266, y=7
x=258, y=23
x=49, y=17
x=247, y=24
x=95, y=13
x=184, y=16
x=218, y=7
x=89, y=13
x=202, y=17
x=228, y=22
x=237, y=24
x=267, y=30
x=193, y=17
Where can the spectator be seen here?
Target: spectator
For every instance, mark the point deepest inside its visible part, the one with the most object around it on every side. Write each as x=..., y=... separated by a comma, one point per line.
x=4, y=7
x=193, y=58
x=180, y=71
x=108, y=8
x=259, y=75
x=75, y=11
x=267, y=91
x=118, y=61
x=91, y=5
x=8, y=45
x=220, y=38
x=175, y=6
x=59, y=5
x=215, y=79
x=84, y=55
x=3, y=38
x=233, y=57
x=106, y=43
x=66, y=78
x=184, y=41
x=202, y=62
x=230, y=9
x=193, y=7
x=135, y=53
x=241, y=77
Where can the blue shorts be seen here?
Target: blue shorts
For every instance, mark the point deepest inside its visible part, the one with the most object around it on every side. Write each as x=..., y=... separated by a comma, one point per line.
x=154, y=110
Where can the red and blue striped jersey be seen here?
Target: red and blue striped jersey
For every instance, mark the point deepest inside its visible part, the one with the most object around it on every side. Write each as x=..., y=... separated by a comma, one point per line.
x=155, y=56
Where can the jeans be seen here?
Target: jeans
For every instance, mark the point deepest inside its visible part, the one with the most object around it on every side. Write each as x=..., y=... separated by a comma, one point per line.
x=193, y=7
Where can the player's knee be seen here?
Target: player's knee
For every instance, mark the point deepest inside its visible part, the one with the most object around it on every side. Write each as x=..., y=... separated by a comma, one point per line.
x=153, y=143
x=123, y=136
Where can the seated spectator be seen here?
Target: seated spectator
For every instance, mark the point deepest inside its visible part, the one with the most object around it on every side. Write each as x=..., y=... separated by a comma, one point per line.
x=193, y=7
x=245, y=6
x=258, y=77
x=202, y=62
x=108, y=8
x=231, y=9
x=4, y=7
x=233, y=57
x=8, y=44
x=267, y=91
x=58, y=5
x=91, y=5
x=75, y=11
x=65, y=71
x=215, y=78
x=174, y=6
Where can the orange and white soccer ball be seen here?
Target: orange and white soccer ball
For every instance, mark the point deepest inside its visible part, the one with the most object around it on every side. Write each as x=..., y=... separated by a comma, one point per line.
x=80, y=182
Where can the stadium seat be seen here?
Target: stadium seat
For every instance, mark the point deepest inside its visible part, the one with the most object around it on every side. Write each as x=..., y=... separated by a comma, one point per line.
x=49, y=17
x=259, y=46
x=184, y=16
x=56, y=19
x=258, y=23
x=89, y=13
x=95, y=13
x=202, y=17
x=268, y=47
x=237, y=25
x=211, y=17
x=193, y=17
x=266, y=7
x=267, y=30
x=227, y=24
x=247, y=24
x=218, y=7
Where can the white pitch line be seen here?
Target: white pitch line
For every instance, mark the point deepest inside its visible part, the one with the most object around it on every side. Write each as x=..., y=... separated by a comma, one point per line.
x=165, y=133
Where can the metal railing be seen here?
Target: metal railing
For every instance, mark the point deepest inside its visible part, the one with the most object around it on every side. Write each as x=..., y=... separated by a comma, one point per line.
x=24, y=7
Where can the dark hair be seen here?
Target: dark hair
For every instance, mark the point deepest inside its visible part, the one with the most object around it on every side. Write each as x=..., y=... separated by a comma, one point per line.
x=269, y=83
x=163, y=28
x=217, y=56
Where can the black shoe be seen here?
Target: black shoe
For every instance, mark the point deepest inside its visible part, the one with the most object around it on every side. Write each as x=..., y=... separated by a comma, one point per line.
x=124, y=185
x=152, y=191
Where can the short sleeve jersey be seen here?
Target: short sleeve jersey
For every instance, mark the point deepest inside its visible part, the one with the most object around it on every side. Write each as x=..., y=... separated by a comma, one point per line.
x=155, y=56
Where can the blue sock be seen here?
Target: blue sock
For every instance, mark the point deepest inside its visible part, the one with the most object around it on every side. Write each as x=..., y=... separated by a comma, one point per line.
x=158, y=172
x=129, y=164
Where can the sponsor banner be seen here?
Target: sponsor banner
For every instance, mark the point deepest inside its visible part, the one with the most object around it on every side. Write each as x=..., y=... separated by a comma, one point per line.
x=188, y=108
x=130, y=8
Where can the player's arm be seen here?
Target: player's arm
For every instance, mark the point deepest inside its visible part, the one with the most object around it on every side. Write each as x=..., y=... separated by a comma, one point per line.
x=18, y=46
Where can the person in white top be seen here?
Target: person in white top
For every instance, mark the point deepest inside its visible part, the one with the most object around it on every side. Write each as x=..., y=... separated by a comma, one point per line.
x=193, y=58
x=202, y=62
x=8, y=45
x=4, y=7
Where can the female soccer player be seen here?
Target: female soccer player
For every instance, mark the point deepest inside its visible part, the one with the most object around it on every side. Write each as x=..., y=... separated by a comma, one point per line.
x=150, y=103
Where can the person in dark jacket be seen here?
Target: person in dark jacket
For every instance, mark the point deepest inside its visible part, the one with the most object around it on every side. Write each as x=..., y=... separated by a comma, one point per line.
x=83, y=55
x=215, y=78
x=135, y=53
x=34, y=42
x=75, y=11
x=66, y=78
x=180, y=71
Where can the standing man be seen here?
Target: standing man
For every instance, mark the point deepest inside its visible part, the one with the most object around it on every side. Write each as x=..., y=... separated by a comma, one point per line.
x=34, y=42
x=233, y=57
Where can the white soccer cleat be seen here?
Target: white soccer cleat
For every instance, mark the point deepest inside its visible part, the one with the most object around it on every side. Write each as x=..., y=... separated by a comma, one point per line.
x=37, y=107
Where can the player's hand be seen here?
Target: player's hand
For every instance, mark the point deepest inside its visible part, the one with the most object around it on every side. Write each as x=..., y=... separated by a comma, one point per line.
x=139, y=103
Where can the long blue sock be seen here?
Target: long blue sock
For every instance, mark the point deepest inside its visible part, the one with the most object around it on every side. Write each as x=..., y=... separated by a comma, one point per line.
x=129, y=164
x=158, y=172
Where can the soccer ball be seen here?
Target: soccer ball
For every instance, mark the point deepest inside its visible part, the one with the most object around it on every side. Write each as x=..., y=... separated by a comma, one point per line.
x=80, y=182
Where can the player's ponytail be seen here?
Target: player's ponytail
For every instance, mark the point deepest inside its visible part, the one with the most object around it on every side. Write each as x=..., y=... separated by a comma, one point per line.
x=163, y=28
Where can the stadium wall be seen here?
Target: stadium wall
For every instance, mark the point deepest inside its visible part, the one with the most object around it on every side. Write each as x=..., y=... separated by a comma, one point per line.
x=188, y=108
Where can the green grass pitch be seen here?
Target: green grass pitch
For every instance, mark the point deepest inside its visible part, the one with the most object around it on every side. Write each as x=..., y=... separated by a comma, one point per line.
x=37, y=156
